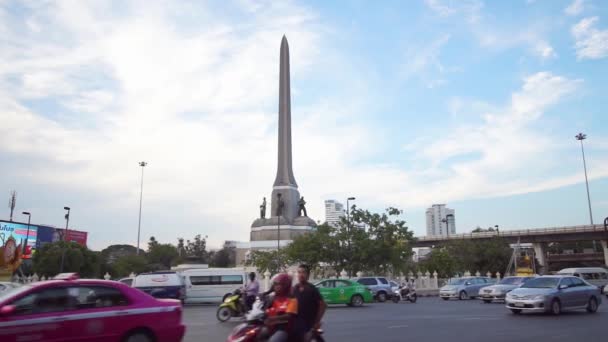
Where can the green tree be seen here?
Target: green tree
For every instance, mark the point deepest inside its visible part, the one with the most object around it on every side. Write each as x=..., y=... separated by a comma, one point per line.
x=162, y=255
x=441, y=261
x=225, y=257
x=385, y=246
x=124, y=265
x=491, y=255
x=267, y=261
x=317, y=247
x=80, y=259
x=196, y=250
x=482, y=230
x=152, y=243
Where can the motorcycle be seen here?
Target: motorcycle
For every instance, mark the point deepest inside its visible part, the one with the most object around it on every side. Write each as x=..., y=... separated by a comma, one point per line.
x=254, y=330
x=402, y=293
x=233, y=306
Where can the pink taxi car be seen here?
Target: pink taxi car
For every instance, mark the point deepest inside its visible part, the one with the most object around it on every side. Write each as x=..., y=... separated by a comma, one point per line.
x=87, y=310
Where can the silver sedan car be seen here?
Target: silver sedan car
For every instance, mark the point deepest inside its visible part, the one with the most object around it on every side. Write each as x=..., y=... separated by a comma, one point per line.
x=554, y=294
x=464, y=288
x=499, y=291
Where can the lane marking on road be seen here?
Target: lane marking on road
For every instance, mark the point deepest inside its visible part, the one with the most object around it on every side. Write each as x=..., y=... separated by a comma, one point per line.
x=397, y=326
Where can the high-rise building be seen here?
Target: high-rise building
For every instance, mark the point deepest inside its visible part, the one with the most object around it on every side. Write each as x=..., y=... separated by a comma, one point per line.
x=334, y=211
x=438, y=219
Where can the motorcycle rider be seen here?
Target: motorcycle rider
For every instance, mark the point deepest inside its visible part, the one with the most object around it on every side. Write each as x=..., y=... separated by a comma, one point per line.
x=282, y=310
x=407, y=287
x=252, y=289
x=311, y=306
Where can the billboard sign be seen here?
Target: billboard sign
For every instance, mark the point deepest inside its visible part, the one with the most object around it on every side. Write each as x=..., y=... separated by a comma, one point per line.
x=52, y=234
x=24, y=236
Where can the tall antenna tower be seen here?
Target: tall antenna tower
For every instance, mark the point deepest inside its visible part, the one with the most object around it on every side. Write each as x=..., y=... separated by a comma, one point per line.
x=12, y=202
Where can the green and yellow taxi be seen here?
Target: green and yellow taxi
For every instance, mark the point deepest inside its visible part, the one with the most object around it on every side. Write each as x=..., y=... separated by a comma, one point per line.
x=344, y=291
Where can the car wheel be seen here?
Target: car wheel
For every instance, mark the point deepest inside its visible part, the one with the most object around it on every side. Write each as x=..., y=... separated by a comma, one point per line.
x=381, y=297
x=445, y=298
x=463, y=295
x=223, y=314
x=556, y=307
x=487, y=301
x=592, y=305
x=356, y=301
x=139, y=336
x=516, y=311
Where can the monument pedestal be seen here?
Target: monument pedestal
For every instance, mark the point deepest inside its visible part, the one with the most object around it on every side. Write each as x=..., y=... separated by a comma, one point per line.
x=267, y=229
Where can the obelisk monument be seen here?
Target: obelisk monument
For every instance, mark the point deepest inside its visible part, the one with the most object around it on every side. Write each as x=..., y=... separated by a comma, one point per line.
x=287, y=208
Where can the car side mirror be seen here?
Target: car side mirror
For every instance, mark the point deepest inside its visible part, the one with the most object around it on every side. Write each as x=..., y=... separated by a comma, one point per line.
x=7, y=310
x=561, y=287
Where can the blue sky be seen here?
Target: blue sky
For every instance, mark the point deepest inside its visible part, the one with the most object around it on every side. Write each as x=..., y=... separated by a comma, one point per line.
x=405, y=103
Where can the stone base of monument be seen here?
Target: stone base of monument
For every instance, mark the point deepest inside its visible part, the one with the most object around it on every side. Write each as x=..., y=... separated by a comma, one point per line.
x=265, y=229
x=303, y=221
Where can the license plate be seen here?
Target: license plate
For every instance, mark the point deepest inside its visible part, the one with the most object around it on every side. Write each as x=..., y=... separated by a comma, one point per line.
x=520, y=305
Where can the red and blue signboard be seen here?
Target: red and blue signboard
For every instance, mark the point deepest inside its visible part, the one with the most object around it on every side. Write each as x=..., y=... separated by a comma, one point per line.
x=37, y=235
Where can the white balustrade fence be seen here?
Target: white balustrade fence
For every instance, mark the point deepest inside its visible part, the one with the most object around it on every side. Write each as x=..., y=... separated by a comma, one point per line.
x=422, y=280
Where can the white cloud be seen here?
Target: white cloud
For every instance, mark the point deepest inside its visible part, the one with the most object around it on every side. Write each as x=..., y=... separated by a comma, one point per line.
x=575, y=8
x=591, y=43
x=469, y=9
x=92, y=92
x=543, y=50
x=424, y=61
x=481, y=159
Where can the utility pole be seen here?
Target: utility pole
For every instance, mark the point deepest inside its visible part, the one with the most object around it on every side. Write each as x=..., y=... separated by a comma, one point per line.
x=12, y=202
x=580, y=137
x=65, y=237
x=141, y=194
x=350, y=229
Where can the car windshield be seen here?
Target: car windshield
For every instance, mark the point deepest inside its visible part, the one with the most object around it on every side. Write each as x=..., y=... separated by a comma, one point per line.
x=456, y=281
x=541, y=283
x=10, y=291
x=512, y=281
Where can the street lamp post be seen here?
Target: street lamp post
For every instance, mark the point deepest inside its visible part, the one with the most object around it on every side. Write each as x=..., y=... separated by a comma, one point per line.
x=447, y=224
x=65, y=236
x=27, y=235
x=350, y=249
x=141, y=194
x=580, y=137
x=606, y=229
x=279, y=214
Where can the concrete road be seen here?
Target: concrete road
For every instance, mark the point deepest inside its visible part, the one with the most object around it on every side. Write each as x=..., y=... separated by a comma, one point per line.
x=431, y=319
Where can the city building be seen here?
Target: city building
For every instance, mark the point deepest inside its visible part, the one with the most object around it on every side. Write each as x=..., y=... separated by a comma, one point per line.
x=438, y=219
x=334, y=211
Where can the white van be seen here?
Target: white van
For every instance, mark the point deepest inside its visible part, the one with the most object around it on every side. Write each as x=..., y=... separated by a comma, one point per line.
x=593, y=275
x=164, y=284
x=211, y=285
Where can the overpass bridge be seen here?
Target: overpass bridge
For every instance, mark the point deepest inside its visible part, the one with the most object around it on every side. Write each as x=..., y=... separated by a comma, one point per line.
x=538, y=237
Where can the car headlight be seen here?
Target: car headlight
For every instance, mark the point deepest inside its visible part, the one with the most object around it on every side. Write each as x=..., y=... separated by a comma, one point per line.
x=538, y=297
x=509, y=295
